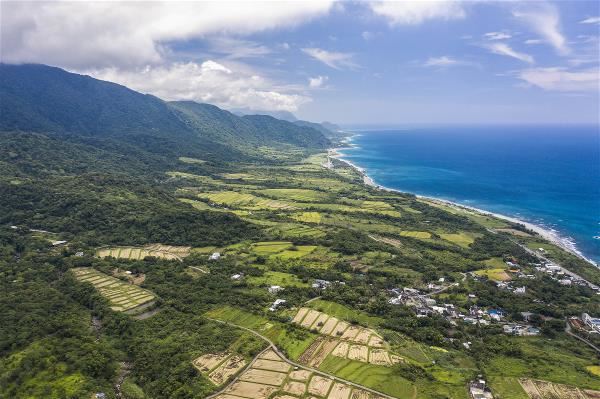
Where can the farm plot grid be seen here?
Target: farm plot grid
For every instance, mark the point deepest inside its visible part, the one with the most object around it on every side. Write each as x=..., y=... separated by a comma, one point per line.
x=168, y=252
x=341, y=339
x=537, y=389
x=121, y=295
x=219, y=367
x=270, y=376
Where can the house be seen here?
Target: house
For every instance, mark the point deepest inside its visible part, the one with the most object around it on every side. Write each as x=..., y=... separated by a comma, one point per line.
x=478, y=390
x=79, y=254
x=274, y=289
x=237, y=276
x=527, y=315
x=395, y=301
x=592, y=322
x=215, y=256
x=520, y=290
x=565, y=281
x=321, y=284
x=59, y=242
x=276, y=304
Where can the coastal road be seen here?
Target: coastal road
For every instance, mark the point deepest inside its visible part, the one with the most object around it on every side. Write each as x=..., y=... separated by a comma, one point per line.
x=274, y=347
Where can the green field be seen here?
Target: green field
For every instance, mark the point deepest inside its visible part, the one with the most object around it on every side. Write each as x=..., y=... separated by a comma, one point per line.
x=307, y=217
x=295, y=194
x=121, y=295
x=292, y=341
x=507, y=388
x=494, y=274
x=380, y=378
x=191, y=160
x=245, y=200
x=463, y=239
x=278, y=278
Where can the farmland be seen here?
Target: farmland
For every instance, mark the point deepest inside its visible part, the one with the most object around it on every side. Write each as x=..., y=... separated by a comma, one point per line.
x=168, y=252
x=537, y=389
x=122, y=296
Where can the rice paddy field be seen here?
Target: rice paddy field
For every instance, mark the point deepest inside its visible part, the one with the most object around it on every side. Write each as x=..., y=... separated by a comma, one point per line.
x=122, y=296
x=168, y=252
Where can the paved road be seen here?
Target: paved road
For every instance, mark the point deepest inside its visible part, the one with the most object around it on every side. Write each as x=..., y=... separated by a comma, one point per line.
x=272, y=346
x=568, y=331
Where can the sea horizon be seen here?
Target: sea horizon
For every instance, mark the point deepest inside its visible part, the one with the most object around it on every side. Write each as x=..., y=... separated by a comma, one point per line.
x=365, y=152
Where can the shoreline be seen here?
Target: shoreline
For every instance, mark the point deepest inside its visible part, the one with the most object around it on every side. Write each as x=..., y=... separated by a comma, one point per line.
x=547, y=234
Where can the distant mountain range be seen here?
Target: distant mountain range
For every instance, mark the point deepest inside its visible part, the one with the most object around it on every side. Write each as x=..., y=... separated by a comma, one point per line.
x=49, y=100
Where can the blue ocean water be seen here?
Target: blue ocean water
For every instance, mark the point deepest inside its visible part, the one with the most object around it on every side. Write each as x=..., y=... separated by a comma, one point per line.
x=547, y=175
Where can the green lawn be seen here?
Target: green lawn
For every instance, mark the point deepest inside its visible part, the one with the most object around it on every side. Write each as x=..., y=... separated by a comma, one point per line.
x=463, y=239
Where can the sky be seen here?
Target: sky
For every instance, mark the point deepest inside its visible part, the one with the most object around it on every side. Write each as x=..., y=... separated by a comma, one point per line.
x=352, y=63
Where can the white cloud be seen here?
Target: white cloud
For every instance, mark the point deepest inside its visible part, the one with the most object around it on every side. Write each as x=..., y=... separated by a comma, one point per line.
x=560, y=79
x=414, y=12
x=210, y=82
x=505, y=49
x=367, y=35
x=332, y=59
x=445, y=61
x=100, y=34
x=591, y=20
x=532, y=41
x=238, y=48
x=497, y=35
x=317, y=81
x=544, y=19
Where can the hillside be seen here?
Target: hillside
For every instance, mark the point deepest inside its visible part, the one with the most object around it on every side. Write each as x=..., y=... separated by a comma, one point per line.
x=146, y=246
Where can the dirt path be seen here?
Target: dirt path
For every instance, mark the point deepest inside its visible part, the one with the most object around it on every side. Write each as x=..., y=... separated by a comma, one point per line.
x=124, y=370
x=321, y=373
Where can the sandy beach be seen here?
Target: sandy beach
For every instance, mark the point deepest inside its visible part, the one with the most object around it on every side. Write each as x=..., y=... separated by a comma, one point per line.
x=549, y=235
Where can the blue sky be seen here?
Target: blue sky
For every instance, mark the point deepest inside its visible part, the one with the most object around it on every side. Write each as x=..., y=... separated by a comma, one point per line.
x=355, y=63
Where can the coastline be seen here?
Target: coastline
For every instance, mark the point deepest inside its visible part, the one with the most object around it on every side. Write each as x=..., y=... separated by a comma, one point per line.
x=549, y=235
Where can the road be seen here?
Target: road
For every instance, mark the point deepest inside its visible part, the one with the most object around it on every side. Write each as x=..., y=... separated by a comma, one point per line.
x=274, y=347
x=568, y=331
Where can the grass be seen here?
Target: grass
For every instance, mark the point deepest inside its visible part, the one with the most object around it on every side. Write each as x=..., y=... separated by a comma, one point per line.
x=380, y=378
x=507, y=388
x=191, y=160
x=462, y=239
x=135, y=253
x=345, y=313
x=270, y=247
x=121, y=295
x=549, y=360
x=278, y=278
x=495, y=263
x=244, y=200
x=594, y=370
x=308, y=217
x=494, y=274
x=416, y=234
x=295, y=252
x=292, y=341
x=295, y=194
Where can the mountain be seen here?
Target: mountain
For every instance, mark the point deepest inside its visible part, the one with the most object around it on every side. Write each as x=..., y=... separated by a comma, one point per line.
x=283, y=115
x=43, y=99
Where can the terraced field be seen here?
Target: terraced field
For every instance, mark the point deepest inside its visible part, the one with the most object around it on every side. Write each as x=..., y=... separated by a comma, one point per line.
x=342, y=340
x=296, y=194
x=537, y=389
x=308, y=217
x=245, y=200
x=122, y=296
x=281, y=249
x=269, y=376
x=135, y=253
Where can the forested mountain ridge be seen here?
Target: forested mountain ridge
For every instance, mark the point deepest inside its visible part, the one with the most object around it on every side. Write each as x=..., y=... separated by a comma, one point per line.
x=49, y=100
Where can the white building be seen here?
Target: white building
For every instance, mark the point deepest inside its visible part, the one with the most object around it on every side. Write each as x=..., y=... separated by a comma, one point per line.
x=274, y=289
x=592, y=322
x=215, y=256
x=520, y=290
x=276, y=304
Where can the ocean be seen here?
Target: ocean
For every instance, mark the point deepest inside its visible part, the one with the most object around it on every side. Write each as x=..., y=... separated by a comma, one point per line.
x=546, y=175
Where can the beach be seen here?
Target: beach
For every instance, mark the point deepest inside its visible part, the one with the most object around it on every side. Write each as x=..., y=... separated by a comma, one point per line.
x=548, y=234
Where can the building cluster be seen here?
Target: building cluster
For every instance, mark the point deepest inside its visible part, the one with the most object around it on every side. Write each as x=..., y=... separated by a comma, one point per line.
x=590, y=324
x=324, y=284
x=562, y=276
x=425, y=306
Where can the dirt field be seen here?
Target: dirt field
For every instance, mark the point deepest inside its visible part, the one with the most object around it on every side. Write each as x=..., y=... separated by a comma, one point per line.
x=318, y=351
x=379, y=356
x=300, y=315
x=537, y=389
x=339, y=329
x=263, y=377
x=270, y=355
x=376, y=341
x=300, y=375
x=227, y=369
x=351, y=333
x=272, y=365
x=339, y=391
x=320, y=322
x=319, y=385
x=329, y=326
x=295, y=387
x=362, y=337
x=358, y=352
x=251, y=390
x=157, y=250
x=310, y=318
x=341, y=350
x=206, y=363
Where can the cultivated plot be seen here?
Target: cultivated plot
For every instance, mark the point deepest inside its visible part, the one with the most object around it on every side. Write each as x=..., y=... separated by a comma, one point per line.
x=538, y=389
x=219, y=367
x=169, y=252
x=121, y=295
